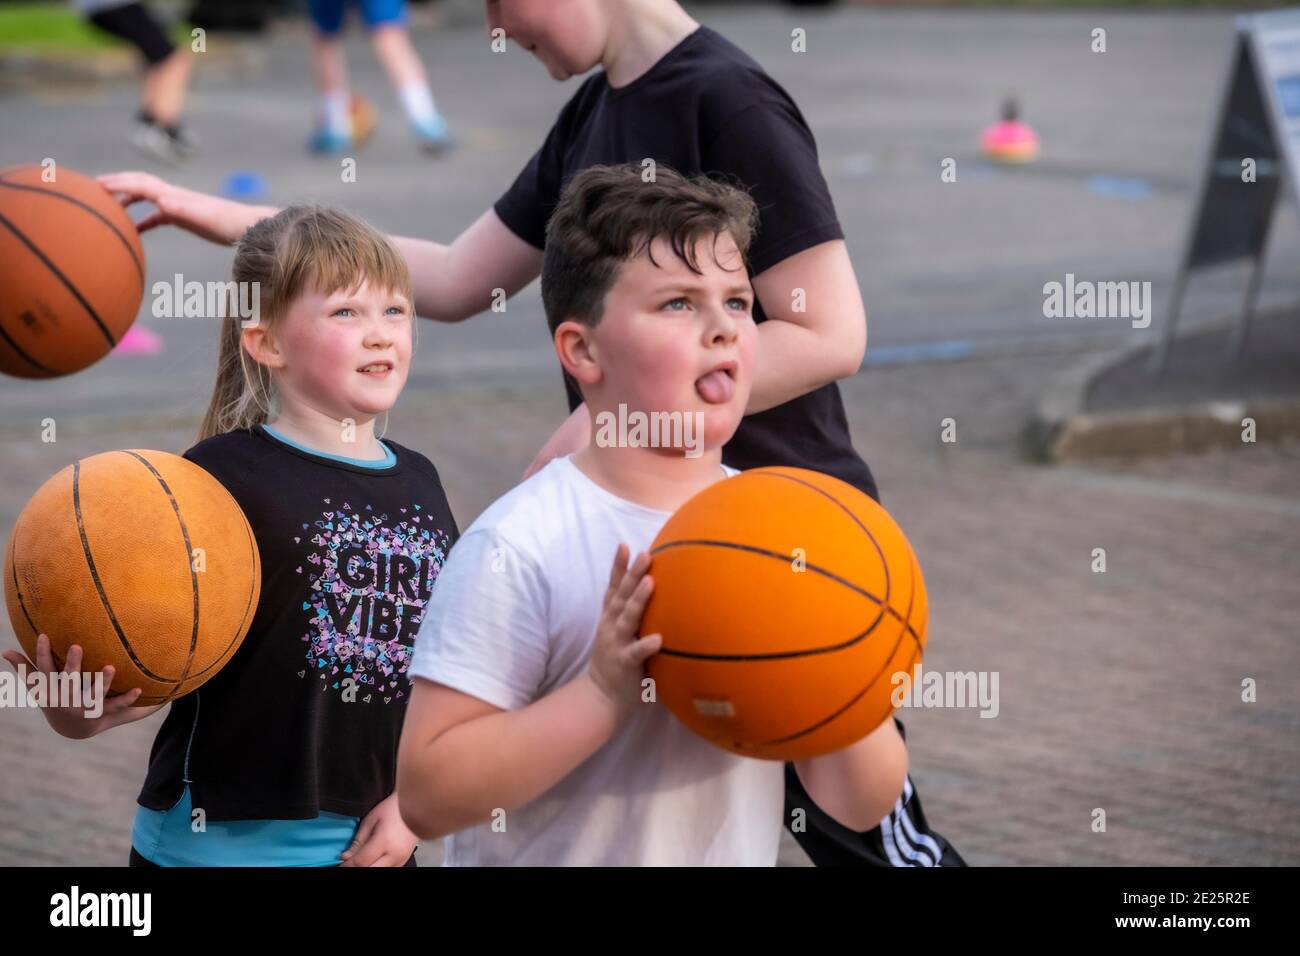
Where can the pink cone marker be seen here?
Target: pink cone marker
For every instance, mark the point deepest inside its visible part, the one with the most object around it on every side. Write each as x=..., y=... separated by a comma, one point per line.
x=139, y=341
x=1010, y=141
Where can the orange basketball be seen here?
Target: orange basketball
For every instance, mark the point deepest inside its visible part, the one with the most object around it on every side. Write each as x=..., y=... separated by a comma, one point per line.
x=787, y=600
x=142, y=558
x=71, y=272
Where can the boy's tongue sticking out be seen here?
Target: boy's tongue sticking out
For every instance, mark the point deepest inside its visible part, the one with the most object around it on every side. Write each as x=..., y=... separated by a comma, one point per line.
x=718, y=385
x=648, y=297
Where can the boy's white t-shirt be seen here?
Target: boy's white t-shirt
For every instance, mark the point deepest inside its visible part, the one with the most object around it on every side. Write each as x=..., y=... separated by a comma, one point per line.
x=512, y=618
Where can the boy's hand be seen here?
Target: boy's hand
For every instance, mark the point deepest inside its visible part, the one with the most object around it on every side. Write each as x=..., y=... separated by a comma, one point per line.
x=208, y=217
x=618, y=657
x=72, y=721
x=382, y=838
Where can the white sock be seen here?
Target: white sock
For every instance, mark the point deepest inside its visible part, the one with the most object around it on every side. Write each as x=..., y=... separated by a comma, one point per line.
x=336, y=109
x=417, y=100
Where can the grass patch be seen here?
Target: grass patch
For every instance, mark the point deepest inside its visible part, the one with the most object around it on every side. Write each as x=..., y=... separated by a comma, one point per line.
x=49, y=27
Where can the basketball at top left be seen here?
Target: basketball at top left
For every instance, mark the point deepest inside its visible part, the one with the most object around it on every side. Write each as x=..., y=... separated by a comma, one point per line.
x=71, y=271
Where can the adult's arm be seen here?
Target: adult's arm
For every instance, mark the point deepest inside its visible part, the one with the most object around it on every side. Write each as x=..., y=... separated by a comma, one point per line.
x=816, y=332
x=455, y=282
x=451, y=282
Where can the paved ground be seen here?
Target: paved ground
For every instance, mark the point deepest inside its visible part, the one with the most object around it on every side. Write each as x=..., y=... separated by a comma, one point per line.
x=1118, y=690
x=1268, y=369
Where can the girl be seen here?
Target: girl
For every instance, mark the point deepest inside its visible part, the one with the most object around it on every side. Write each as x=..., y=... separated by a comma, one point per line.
x=290, y=751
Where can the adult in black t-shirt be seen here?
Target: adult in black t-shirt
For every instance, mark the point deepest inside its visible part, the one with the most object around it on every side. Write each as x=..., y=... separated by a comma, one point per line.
x=706, y=107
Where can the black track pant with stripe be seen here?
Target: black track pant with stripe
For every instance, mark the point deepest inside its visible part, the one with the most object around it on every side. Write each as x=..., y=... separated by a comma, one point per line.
x=903, y=838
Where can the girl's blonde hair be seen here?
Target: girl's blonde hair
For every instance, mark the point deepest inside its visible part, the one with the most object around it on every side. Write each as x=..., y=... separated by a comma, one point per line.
x=300, y=248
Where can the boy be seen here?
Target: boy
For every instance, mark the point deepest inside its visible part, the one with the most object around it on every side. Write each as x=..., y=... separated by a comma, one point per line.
x=527, y=740
x=678, y=93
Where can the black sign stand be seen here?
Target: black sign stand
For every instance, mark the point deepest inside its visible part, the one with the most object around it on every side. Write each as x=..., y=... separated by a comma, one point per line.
x=1259, y=120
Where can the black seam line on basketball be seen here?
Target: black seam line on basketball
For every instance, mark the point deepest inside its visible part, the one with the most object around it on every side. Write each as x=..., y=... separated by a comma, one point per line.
x=219, y=660
x=916, y=571
x=911, y=602
x=780, y=655
x=907, y=628
x=843, y=507
x=13, y=569
x=99, y=585
x=250, y=607
x=764, y=552
x=61, y=277
x=785, y=655
x=139, y=266
x=189, y=562
x=906, y=621
x=23, y=355
x=817, y=725
x=776, y=656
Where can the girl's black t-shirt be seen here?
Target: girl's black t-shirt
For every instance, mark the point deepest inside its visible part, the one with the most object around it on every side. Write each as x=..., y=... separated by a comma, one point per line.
x=707, y=107
x=306, y=715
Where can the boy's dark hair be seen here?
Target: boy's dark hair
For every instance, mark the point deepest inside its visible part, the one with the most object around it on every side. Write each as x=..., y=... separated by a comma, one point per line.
x=608, y=214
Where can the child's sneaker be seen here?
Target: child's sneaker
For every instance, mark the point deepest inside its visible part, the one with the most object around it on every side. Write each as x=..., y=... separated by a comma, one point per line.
x=152, y=140
x=329, y=141
x=187, y=144
x=432, y=134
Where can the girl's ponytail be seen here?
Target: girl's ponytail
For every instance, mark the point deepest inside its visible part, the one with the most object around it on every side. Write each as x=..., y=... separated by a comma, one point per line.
x=242, y=395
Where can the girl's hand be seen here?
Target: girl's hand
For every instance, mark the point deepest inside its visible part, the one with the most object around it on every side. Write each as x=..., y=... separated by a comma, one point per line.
x=73, y=721
x=208, y=217
x=382, y=838
x=618, y=656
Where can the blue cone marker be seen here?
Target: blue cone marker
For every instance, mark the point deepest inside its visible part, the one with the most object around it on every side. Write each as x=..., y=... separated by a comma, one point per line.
x=243, y=184
x=1120, y=187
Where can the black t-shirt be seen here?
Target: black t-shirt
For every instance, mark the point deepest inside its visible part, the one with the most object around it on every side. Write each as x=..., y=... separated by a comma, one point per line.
x=707, y=107
x=306, y=715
